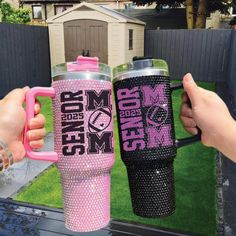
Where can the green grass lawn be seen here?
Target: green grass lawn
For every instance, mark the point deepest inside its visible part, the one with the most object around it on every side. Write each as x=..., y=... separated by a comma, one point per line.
x=194, y=180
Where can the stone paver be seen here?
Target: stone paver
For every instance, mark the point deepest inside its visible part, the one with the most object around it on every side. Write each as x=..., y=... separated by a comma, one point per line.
x=20, y=174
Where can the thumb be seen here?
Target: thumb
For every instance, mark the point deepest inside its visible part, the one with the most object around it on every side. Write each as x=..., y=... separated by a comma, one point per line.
x=17, y=96
x=191, y=89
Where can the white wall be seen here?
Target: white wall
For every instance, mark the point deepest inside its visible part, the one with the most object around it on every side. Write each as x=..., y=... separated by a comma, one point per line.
x=138, y=41
x=213, y=22
x=218, y=20
x=56, y=40
x=50, y=10
x=116, y=46
x=13, y=3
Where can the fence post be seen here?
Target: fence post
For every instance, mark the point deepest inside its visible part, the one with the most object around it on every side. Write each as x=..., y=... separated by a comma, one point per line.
x=226, y=169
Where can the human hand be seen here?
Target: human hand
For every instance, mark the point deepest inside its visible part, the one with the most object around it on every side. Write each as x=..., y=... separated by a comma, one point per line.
x=210, y=114
x=12, y=122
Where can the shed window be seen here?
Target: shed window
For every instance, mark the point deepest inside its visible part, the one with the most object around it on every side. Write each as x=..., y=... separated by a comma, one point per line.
x=37, y=12
x=131, y=39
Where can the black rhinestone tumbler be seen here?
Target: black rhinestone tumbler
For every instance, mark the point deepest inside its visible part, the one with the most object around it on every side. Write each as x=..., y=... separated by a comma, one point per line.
x=147, y=136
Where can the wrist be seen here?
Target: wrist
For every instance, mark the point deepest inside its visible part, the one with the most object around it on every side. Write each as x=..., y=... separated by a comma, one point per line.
x=228, y=132
x=6, y=158
x=4, y=136
x=226, y=142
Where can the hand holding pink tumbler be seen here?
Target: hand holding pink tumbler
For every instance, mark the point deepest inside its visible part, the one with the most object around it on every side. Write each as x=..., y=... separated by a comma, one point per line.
x=83, y=138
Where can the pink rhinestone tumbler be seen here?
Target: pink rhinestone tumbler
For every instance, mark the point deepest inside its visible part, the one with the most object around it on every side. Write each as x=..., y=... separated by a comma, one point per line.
x=83, y=129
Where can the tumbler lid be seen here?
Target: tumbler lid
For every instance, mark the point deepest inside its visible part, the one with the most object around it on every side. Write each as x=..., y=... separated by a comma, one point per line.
x=141, y=66
x=87, y=67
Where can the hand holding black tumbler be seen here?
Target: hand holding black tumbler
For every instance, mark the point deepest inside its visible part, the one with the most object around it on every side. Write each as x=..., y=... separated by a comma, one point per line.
x=147, y=136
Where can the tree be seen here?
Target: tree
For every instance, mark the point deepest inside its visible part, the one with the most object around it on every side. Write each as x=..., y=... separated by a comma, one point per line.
x=11, y=15
x=196, y=10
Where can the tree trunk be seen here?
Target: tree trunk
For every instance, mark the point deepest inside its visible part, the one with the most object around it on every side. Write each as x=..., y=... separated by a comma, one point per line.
x=189, y=13
x=201, y=15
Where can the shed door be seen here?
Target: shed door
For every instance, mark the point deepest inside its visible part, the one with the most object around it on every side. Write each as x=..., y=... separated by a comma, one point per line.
x=87, y=35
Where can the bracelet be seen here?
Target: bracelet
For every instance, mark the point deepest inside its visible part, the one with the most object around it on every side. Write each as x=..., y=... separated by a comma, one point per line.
x=9, y=157
x=2, y=167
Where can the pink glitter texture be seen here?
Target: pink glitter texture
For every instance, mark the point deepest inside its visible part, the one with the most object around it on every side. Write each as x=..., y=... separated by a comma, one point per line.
x=85, y=178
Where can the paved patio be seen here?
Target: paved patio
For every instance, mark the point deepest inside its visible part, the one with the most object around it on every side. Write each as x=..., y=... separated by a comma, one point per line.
x=20, y=174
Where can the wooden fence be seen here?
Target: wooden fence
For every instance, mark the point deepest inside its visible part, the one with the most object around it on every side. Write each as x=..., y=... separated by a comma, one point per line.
x=24, y=57
x=204, y=53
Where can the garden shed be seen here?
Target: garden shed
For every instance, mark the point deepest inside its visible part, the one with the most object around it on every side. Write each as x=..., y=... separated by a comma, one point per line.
x=94, y=30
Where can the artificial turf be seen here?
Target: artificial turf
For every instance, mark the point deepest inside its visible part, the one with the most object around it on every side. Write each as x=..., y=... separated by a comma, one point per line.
x=194, y=181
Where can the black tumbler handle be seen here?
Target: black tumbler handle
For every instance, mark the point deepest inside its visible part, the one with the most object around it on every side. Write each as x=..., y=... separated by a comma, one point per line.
x=185, y=141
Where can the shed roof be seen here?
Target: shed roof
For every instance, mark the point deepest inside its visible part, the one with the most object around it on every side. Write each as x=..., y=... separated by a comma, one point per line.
x=120, y=17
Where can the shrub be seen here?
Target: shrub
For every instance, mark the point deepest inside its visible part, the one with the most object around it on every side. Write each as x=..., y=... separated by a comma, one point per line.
x=11, y=15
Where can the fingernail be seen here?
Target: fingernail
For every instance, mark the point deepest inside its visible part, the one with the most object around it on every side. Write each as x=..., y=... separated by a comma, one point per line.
x=189, y=78
x=195, y=132
x=26, y=87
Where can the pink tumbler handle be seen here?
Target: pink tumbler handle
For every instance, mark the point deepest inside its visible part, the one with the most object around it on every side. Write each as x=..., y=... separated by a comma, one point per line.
x=30, y=102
